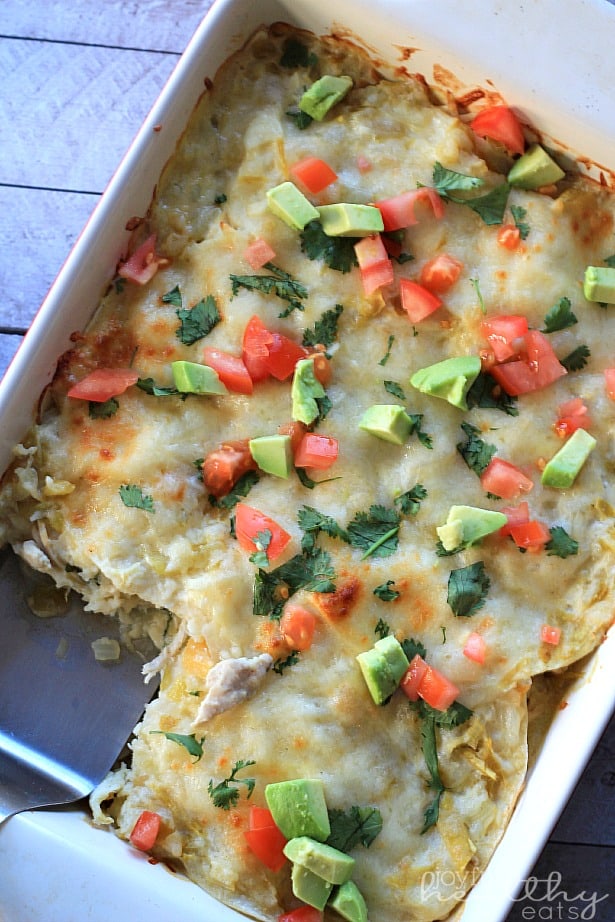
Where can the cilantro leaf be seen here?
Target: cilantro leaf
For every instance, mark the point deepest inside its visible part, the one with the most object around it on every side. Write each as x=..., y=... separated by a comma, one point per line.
x=375, y=532
x=416, y=419
x=296, y=54
x=475, y=452
x=577, y=359
x=385, y=358
x=352, y=827
x=519, y=214
x=385, y=593
x=312, y=522
x=476, y=285
x=198, y=321
x=324, y=332
x=189, y=742
x=301, y=119
x=155, y=390
x=467, y=589
x=409, y=502
x=392, y=387
x=446, y=181
x=103, y=410
x=337, y=252
x=225, y=796
x=280, y=665
x=559, y=317
x=311, y=570
x=610, y=261
x=490, y=206
x=241, y=489
x=413, y=648
x=262, y=540
x=487, y=394
x=133, y=496
x=279, y=283
x=561, y=544
x=173, y=297
x=382, y=629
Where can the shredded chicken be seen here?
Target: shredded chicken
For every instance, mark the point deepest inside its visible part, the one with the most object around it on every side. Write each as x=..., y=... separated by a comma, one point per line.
x=166, y=654
x=230, y=682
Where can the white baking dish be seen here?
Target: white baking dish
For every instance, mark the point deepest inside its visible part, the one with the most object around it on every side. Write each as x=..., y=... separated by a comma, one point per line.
x=53, y=864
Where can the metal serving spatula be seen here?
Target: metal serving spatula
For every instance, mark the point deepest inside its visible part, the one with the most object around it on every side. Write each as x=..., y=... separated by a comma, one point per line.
x=64, y=717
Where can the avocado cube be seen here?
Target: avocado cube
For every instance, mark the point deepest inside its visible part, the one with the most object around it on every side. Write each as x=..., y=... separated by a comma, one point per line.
x=298, y=808
x=450, y=379
x=378, y=675
x=192, y=378
x=349, y=903
x=562, y=470
x=390, y=648
x=305, y=390
x=599, y=284
x=322, y=95
x=327, y=862
x=471, y=523
x=309, y=887
x=287, y=202
x=388, y=422
x=344, y=219
x=535, y=168
x=273, y=454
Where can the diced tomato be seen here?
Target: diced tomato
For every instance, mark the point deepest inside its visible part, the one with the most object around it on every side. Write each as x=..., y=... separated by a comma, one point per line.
x=417, y=301
x=531, y=535
x=284, y=353
x=296, y=430
x=436, y=690
x=258, y=253
x=224, y=466
x=504, y=479
x=509, y=236
x=475, y=648
x=143, y=264
x=440, y=273
x=265, y=839
x=250, y=522
x=551, y=635
x=517, y=515
x=314, y=174
x=411, y=681
x=318, y=451
x=298, y=625
x=500, y=124
x=374, y=264
x=302, y=914
x=145, y=831
x=255, y=348
x=399, y=211
x=504, y=334
x=609, y=382
x=231, y=370
x=370, y=250
x=103, y=383
x=571, y=416
x=538, y=368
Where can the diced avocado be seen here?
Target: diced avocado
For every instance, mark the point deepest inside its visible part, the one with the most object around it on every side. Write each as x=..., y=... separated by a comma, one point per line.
x=273, y=454
x=561, y=471
x=192, y=378
x=327, y=862
x=450, y=379
x=287, y=202
x=599, y=284
x=377, y=674
x=349, y=903
x=387, y=421
x=535, y=168
x=346, y=220
x=323, y=95
x=309, y=887
x=306, y=389
x=470, y=524
x=298, y=808
x=390, y=648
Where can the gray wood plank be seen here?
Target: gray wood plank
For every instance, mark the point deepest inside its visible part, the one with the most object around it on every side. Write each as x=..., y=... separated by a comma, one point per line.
x=153, y=24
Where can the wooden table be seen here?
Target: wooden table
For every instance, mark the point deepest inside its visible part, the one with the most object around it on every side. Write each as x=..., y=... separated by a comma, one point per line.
x=77, y=78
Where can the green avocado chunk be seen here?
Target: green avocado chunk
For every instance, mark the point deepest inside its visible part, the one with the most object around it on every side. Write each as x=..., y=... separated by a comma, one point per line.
x=322, y=95
x=450, y=379
x=349, y=903
x=287, y=202
x=383, y=667
x=599, y=284
x=309, y=887
x=534, y=168
x=306, y=389
x=387, y=421
x=327, y=862
x=465, y=525
x=390, y=648
x=273, y=454
x=561, y=471
x=298, y=808
x=192, y=378
x=343, y=219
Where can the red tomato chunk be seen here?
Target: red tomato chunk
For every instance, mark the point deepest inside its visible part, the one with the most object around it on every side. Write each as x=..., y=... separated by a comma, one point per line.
x=250, y=522
x=504, y=479
x=317, y=451
x=500, y=124
x=145, y=831
x=103, y=383
x=265, y=839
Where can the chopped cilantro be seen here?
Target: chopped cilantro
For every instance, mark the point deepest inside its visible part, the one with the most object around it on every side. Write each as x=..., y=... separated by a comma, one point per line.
x=442, y=552
x=386, y=594
x=173, y=297
x=311, y=570
x=409, y=502
x=133, y=496
x=337, y=252
x=198, y=321
x=324, y=332
x=280, y=665
x=294, y=54
x=559, y=317
x=301, y=119
x=262, y=540
x=392, y=387
x=610, y=261
x=577, y=359
x=446, y=181
x=312, y=522
x=490, y=206
x=375, y=532
x=308, y=482
x=487, y=394
x=476, y=285
x=561, y=544
x=194, y=746
x=424, y=438
x=220, y=199
x=352, y=827
x=519, y=214
x=385, y=358
x=382, y=628
x=279, y=283
x=413, y=648
x=103, y=410
x=225, y=796
x=475, y=452
x=155, y=390
x=467, y=589
x=241, y=489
